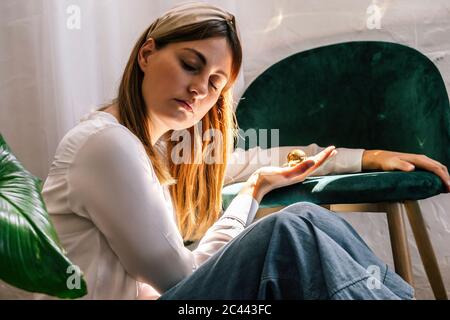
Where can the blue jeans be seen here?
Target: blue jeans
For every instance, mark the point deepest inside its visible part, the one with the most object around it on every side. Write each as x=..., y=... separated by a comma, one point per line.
x=303, y=251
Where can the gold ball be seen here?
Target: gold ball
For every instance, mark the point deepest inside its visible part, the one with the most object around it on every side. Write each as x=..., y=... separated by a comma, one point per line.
x=295, y=157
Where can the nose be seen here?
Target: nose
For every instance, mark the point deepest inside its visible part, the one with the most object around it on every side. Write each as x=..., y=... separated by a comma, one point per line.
x=199, y=87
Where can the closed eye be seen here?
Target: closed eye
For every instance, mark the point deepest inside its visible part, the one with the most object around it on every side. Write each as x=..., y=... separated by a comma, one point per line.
x=190, y=68
x=212, y=85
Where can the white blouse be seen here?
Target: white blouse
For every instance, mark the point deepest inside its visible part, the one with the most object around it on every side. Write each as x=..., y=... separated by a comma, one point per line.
x=116, y=221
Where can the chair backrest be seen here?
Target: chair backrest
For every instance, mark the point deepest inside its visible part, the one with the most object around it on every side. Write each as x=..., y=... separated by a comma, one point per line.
x=365, y=94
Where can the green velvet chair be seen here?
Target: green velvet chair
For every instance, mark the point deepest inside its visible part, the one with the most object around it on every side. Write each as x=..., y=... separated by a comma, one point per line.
x=370, y=95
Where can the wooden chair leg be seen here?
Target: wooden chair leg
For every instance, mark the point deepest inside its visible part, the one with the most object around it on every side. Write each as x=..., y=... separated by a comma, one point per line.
x=265, y=211
x=262, y=212
x=425, y=248
x=399, y=241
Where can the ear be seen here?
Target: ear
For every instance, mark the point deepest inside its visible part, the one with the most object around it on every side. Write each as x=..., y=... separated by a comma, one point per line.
x=144, y=52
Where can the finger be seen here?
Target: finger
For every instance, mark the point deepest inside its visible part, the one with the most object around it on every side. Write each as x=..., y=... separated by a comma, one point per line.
x=438, y=164
x=448, y=178
x=322, y=156
x=300, y=169
x=404, y=166
x=422, y=161
x=303, y=169
x=311, y=164
x=442, y=172
x=435, y=166
x=444, y=169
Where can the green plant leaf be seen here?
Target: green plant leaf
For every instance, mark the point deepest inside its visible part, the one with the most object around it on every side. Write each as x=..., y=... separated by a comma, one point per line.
x=31, y=257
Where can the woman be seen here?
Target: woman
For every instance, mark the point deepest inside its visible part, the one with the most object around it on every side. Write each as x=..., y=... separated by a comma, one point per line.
x=122, y=198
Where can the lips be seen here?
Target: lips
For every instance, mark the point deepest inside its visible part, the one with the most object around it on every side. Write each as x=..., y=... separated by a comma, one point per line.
x=185, y=105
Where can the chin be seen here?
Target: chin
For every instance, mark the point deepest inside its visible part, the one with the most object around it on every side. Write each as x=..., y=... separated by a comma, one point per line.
x=181, y=125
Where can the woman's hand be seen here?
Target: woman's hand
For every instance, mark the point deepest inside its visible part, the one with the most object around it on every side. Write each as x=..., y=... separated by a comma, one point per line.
x=266, y=179
x=389, y=161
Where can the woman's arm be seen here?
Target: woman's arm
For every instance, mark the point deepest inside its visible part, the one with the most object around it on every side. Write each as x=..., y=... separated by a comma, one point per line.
x=388, y=161
x=243, y=163
x=113, y=183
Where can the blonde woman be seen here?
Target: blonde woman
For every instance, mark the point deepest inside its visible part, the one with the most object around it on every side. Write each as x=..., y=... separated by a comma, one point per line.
x=122, y=201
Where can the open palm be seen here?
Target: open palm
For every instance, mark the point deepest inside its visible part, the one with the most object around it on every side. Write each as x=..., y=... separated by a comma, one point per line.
x=272, y=177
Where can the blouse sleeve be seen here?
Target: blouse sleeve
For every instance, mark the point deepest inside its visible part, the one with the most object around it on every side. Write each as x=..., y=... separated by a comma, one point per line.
x=112, y=180
x=244, y=162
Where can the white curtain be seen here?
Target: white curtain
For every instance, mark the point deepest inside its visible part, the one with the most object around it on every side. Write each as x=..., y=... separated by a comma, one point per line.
x=59, y=59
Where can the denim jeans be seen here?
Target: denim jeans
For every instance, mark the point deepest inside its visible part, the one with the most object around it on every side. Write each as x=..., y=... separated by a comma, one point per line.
x=303, y=251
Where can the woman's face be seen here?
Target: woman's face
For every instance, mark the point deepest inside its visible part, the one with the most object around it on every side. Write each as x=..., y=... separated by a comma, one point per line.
x=193, y=71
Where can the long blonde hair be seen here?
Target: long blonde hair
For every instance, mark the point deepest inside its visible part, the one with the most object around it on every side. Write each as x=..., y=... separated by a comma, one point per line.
x=195, y=187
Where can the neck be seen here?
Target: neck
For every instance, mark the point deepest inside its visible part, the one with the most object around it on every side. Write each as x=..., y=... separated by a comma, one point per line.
x=157, y=130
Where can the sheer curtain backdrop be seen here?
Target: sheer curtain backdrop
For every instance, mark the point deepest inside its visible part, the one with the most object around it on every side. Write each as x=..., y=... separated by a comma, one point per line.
x=60, y=59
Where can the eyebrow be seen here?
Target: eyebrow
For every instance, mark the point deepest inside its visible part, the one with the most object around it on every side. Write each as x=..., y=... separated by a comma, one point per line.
x=204, y=61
